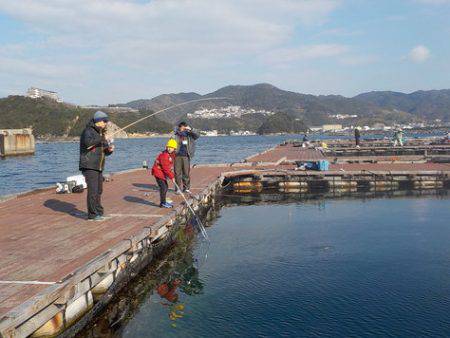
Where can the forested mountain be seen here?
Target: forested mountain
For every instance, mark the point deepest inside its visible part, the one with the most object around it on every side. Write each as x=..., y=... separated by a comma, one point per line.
x=163, y=101
x=430, y=105
x=51, y=118
x=282, y=122
x=389, y=107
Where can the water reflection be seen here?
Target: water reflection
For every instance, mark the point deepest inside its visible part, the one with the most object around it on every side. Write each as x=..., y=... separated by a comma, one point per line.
x=347, y=267
x=168, y=281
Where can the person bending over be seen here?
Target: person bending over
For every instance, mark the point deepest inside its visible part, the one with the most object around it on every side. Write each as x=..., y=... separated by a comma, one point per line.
x=162, y=171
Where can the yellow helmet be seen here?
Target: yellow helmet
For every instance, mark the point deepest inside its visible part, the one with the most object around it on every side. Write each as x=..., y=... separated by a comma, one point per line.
x=172, y=144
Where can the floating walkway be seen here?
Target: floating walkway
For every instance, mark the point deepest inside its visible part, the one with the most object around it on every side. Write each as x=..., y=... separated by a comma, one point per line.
x=57, y=270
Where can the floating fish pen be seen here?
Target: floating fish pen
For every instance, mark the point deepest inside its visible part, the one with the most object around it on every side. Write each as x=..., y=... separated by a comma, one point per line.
x=389, y=151
x=15, y=142
x=297, y=182
x=375, y=143
x=232, y=198
x=379, y=153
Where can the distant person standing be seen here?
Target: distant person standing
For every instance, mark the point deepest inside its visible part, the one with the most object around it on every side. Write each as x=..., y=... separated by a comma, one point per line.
x=93, y=148
x=398, y=137
x=305, y=141
x=185, y=137
x=357, y=137
x=446, y=138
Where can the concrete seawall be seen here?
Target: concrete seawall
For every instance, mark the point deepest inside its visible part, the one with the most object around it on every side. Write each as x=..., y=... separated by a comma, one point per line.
x=16, y=142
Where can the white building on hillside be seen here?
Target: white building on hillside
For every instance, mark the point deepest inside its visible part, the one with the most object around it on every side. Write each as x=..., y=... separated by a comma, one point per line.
x=36, y=93
x=331, y=127
x=225, y=113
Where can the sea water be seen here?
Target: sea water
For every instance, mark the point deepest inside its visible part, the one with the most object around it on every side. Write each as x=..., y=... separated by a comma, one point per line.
x=333, y=268
x=55, y=161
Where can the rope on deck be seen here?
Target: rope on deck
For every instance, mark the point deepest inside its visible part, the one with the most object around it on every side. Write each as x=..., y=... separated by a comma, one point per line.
x=29, y=282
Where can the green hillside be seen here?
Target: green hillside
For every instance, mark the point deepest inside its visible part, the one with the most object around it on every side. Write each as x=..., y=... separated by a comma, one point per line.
x=282, y=123
x=49, y=118
x=314, y=110
x=250, y=122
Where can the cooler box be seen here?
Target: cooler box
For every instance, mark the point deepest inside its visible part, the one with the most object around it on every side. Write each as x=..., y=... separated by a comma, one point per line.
x=78, y=179
x=323, y=165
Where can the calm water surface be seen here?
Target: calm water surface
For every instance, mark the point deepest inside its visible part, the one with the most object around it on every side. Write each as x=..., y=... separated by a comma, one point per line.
x=335, y=268
x=53, y=162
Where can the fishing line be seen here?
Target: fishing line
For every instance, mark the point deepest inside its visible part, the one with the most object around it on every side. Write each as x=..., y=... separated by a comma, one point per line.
x=163, y=110
x=203, y=251
x=200, y=224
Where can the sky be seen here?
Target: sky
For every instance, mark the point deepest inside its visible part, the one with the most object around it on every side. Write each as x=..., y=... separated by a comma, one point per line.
x=111, y=51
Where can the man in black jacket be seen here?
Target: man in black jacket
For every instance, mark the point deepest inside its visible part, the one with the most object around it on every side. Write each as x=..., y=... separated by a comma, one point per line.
x=357, y=137
x=185, y=138
x=94, y=147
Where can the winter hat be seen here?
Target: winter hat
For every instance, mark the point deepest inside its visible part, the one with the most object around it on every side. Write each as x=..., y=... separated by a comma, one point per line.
x=100, y=116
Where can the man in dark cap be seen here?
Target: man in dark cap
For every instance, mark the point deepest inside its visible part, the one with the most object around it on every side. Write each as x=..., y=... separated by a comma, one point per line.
x=93, y=149
x=185, y=138
x=357, y=137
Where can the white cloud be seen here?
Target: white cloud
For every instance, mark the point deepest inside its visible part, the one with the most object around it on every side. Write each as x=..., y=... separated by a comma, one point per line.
x=168, y=25
x=158, y=37
x=39, y=69
x=342, y=32
x=288, y=55
x=419, y=54
x=358, y=60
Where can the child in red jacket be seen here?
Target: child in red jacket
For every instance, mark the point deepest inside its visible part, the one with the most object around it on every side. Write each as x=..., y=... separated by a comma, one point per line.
x=163, y=169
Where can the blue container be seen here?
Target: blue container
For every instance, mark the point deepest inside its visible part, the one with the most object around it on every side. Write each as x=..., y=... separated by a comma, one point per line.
x=314, y=165
x=311, y=165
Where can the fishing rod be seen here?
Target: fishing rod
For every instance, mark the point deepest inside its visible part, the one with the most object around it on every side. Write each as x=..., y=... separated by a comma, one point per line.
x=163, y=110
x=200, y=224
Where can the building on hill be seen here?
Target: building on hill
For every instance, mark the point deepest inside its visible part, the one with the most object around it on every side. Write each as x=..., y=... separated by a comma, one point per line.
x=331, y=127
x=226, y=112
x=379, y=126
x=36, y=93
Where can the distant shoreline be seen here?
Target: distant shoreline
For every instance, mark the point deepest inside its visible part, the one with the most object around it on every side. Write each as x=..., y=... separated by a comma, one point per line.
x=76, y=139
x=139, y=136
x=348, y=133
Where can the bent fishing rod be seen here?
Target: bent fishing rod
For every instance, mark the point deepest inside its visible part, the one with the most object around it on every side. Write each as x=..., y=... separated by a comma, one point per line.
x=163, y=110
x=199, y=222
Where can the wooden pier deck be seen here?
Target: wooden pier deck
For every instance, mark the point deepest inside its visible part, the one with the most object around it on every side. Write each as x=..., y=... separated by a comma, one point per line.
x=46, y=238
x=288, y=153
